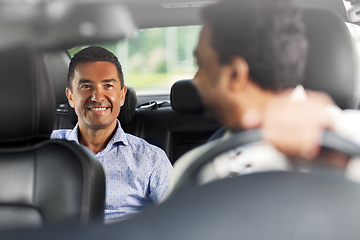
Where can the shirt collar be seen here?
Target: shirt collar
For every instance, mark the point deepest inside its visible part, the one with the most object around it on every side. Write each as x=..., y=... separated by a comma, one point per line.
x=119, y=136
x=73, y=136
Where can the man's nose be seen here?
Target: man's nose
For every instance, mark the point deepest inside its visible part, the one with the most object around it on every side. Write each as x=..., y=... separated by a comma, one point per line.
x=97, y=95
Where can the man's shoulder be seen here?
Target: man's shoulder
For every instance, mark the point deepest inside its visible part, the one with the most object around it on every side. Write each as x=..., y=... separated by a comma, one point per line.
x=143, y=147
x=60, y=133
x=134, y=140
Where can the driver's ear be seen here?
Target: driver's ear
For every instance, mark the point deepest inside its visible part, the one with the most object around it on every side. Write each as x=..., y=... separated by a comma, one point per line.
x=69, y=96
x=239, y=73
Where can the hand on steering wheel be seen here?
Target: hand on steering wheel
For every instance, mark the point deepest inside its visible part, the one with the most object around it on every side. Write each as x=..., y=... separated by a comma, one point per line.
x=329, y=140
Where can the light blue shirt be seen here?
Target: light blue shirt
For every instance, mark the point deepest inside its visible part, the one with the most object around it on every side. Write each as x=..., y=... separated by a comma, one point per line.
x=137, y=173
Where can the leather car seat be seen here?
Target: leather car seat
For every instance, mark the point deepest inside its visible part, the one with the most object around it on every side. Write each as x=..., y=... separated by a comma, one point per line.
x=332, y=64
x=188, y=126
x=43, y=181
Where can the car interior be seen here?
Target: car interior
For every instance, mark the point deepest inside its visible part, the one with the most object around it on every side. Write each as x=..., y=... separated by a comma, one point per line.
x=55, y=189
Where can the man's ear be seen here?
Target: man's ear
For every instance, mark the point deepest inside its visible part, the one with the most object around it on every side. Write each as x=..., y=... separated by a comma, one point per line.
x=123, y=94
x=239, y=73
x=69, y=96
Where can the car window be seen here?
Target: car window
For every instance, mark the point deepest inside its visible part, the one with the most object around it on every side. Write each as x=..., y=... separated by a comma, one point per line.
x=153, y=59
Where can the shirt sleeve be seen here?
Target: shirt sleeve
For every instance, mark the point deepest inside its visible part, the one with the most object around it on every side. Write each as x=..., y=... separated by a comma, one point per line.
x=346, y=122
x=160, y=177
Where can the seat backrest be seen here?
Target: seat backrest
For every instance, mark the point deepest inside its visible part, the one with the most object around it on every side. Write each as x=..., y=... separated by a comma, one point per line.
x=332, y=64
x=188, y=126
x=57, y=64
x=42, y=181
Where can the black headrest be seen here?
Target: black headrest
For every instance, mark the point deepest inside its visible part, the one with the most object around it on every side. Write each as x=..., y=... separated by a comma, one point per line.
x=127, y=111
x=332, y=64
x=185, y=98
x=57, y=64
x=26, y=97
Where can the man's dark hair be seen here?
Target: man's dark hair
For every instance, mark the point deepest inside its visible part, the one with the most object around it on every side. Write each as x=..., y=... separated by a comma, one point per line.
x=93, y=54
x=268, y=34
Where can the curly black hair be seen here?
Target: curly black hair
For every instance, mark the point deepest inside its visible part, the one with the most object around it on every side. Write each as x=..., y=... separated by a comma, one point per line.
x=268, y=34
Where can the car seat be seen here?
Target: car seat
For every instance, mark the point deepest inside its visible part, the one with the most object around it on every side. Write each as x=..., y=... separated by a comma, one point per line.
x=57, y=64
x=43, y=181
x=188, y=126
x=332, y=64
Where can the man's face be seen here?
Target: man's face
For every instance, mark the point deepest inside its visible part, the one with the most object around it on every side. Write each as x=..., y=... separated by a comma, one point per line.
x=210, y=79
x=96, y=94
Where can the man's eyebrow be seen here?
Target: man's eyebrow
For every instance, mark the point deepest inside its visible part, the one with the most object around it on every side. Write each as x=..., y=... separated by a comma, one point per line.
x=82, y=81
x=109, y=80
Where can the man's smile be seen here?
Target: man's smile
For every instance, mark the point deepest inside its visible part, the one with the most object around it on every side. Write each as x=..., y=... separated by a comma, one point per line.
x=98, y=108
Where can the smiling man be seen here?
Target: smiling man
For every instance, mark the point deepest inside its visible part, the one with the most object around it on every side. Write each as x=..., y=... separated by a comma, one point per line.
x=137, y=173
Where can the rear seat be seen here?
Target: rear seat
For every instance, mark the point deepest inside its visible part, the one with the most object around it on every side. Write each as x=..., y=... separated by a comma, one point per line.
x=176, y=127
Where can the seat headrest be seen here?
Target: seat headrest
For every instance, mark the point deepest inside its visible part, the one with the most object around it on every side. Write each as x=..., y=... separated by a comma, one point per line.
x=57, y=64
x=184, y=97
x=127, y=111
x=26, y=97
x=332, y=64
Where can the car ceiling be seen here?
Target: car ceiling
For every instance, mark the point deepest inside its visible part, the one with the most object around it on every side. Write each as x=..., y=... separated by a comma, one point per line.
x=145, y=14
x=148, y=13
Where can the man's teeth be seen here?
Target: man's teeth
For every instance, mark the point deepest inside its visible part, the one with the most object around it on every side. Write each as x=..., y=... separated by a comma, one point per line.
x=97, y=109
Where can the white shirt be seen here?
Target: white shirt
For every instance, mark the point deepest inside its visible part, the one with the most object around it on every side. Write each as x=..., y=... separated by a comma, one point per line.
x=262, y=156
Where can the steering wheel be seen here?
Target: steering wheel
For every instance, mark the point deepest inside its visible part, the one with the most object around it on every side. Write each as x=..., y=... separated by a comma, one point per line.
x=329, y=140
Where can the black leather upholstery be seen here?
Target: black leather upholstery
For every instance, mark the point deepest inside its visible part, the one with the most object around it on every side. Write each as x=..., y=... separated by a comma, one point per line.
x=42, y=181
x=127, y=111
x=57, y=64
x=185, y=98
x=332, y=64
x=188, y=126
x=27, y=107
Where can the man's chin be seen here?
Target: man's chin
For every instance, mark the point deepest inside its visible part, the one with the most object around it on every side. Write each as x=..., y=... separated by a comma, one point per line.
x=99, y=123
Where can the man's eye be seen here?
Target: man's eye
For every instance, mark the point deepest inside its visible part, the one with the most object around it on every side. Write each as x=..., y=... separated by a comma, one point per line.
x=85, y=86
x=108, y=85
